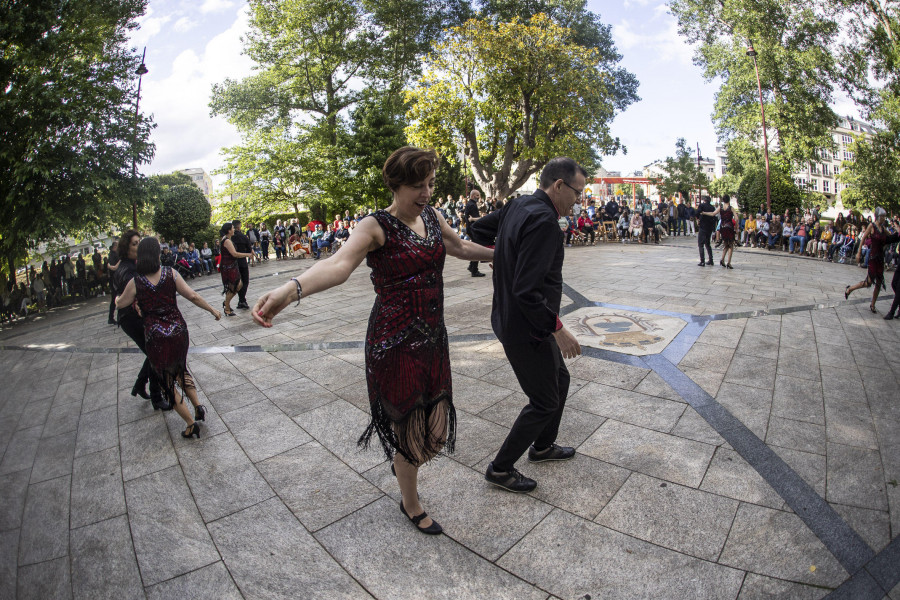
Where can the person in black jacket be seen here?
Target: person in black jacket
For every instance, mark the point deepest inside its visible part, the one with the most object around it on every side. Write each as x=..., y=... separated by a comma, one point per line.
x=470, y=215
x=242, y=244
x=528, y=261
x=706, y=227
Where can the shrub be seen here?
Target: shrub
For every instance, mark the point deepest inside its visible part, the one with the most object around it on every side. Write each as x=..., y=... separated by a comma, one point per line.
x=785, y=194
x=182, y=211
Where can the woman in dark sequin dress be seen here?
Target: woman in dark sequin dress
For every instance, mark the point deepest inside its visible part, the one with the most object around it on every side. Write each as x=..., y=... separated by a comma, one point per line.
x=153, y=289
x=231, y=276
x=407, y=356
x=880, y=239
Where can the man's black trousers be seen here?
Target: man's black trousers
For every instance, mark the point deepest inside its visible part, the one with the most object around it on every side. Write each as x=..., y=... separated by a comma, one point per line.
x=244, y=270
x=544, y=378
x=703, y=242
x=133, y=326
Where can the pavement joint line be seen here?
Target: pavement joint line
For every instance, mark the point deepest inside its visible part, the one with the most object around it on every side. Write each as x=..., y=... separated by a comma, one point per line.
x=839, y=538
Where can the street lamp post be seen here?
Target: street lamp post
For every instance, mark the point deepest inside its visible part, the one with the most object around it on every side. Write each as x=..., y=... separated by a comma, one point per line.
x=752, y=54
x=140, y=72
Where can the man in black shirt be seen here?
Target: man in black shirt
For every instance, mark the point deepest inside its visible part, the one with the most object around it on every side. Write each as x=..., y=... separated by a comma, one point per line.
x=706, y=226
x=470, y=215
x=528, y=261
x=242, y=244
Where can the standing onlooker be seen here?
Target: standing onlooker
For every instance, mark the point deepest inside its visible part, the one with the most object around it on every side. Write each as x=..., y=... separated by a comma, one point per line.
x=707, y=226
x=113, y=265
x=528, y=281
x=242, y=245
x=265, y=236
x=153, y=289
x=471, y=215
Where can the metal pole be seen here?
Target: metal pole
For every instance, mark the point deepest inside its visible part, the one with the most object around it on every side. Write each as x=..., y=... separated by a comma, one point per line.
x=699, y=176
x=141, y=70
x=752, y=53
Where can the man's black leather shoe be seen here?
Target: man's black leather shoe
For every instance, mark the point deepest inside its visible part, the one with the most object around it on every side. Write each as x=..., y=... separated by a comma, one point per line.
x=243, y=305
x=554, y=452
x=513, y=481
x=477, y=274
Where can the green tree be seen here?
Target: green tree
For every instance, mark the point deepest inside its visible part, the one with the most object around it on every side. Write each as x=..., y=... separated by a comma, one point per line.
x=797, y=69
x=68, y=132
x=726, y=184
x=682, y=173
x=785, y=193
x=182, y=212
x=450, y=179
x=515, y=95
x=873, y=178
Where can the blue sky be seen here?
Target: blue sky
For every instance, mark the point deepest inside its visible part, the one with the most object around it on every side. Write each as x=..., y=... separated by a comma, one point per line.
x=192, y=45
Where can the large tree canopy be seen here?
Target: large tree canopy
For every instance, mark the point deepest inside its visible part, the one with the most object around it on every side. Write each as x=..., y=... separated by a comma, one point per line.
x=682, y=172
x=68, y=132
x=516, y=94
x=797, y=69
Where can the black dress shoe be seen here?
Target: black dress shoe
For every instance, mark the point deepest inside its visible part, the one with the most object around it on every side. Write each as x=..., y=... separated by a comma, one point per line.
x=703, y=264
x=512, y=481
x=433, y=529
x=889, y=317
x=477, y=274
x=554, y=452
x=111, y=322
x=243, y=305
x=140, y=390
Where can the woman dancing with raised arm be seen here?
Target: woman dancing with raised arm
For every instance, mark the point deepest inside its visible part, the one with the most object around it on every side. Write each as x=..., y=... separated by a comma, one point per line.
x=880, y=239
x=407, y=355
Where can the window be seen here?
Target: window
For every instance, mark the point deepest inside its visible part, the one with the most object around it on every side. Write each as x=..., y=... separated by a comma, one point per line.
x=826, y=186
x=814, y=185
x=837, y=170
x=801, y=183
x=848, y=155
x=826, y=169
x=846, y=139
x=813, y=168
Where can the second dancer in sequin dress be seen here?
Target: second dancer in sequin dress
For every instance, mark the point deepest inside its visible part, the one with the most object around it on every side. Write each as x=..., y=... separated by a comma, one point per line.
x=407, y=359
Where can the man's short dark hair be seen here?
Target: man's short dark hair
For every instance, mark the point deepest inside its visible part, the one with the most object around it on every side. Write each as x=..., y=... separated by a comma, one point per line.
x=148, y=256
x=561, y=167
x=236, y=222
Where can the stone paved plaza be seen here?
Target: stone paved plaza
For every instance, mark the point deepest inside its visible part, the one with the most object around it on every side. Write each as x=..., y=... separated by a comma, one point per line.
x=738, y=436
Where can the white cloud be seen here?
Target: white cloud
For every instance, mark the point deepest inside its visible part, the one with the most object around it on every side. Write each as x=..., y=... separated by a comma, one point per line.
x=149, y=26
x=210, y=6
x=186, y=135
x=184, y=24
x=663, y=43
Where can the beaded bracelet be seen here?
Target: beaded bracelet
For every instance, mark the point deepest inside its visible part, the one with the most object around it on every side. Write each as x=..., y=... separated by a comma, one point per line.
x=299, y=289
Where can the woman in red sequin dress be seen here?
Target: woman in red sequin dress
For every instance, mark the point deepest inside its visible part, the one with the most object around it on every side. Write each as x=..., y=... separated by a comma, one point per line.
x=880, y=238
x=228, y=268
x=407, y=356
x=153, y=289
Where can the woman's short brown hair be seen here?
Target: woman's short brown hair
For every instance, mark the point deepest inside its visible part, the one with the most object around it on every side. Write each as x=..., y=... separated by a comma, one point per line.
x=409, y=165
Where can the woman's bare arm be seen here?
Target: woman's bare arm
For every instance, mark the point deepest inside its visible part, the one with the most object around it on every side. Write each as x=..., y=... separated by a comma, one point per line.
x=127, y=296
x=188, y=293
x=460, y=248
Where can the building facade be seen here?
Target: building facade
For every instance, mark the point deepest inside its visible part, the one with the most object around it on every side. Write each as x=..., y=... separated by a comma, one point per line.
x=201, y=179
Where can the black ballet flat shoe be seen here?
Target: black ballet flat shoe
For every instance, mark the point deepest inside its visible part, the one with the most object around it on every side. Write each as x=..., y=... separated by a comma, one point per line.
x=140, y=390
x=192, y=431
x=847, y=292
x=433, y=529
x=200, y=413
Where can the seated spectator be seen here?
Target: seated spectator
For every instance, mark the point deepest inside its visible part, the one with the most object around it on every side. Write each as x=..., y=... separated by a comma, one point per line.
x=206, y=256
x=586, y=225
x=194, y=260
x=326, y=240
x=622, y=226
x=837, y=240
x=636, y=226
x=167, y=257
x=660, y=227
x=612, y=210
x=849, y=243
x=762, y=232
x=342, y=234
x=824, y=242
x=748, y=235
x=648, y=227
x=813, y=243
x=798, y=237
x=294, y=246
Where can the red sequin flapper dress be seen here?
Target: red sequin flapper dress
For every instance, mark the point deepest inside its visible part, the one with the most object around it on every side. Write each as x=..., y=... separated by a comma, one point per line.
x=407, y=354
x=165, y=330
x=228, y=268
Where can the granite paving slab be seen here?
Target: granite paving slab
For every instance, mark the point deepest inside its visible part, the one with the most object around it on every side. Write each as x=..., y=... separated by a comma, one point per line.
x=856, y=477
x=316, y=486
x=298, y=396
x=13, y=489
x=103, y=562
x=671, y=516
x=650, y=452
x=221, y=477
x=798, y=399
x=263, y=430
x=731, y=476
x=575, y=558
x=575, y=425
x=97, y=431
x=453, y=570
x=97, y=490
x=477, y=438
x=45, y=522
x=796, y=435
x=263, y=545
x=168, y=532
x=337, y=426
x=45, y=581
x=146, y=447
x=694, y=427
x=873, y=526
x=777, y=544
x=34, y=414
x=752, y=406
x=9, y=550
x=759, y=587
x=22, y=449
x=212, y=582
x=629, y=407
x=54, y=457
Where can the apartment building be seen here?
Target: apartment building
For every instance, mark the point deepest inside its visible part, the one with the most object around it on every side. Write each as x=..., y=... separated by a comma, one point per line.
x=201, y=179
